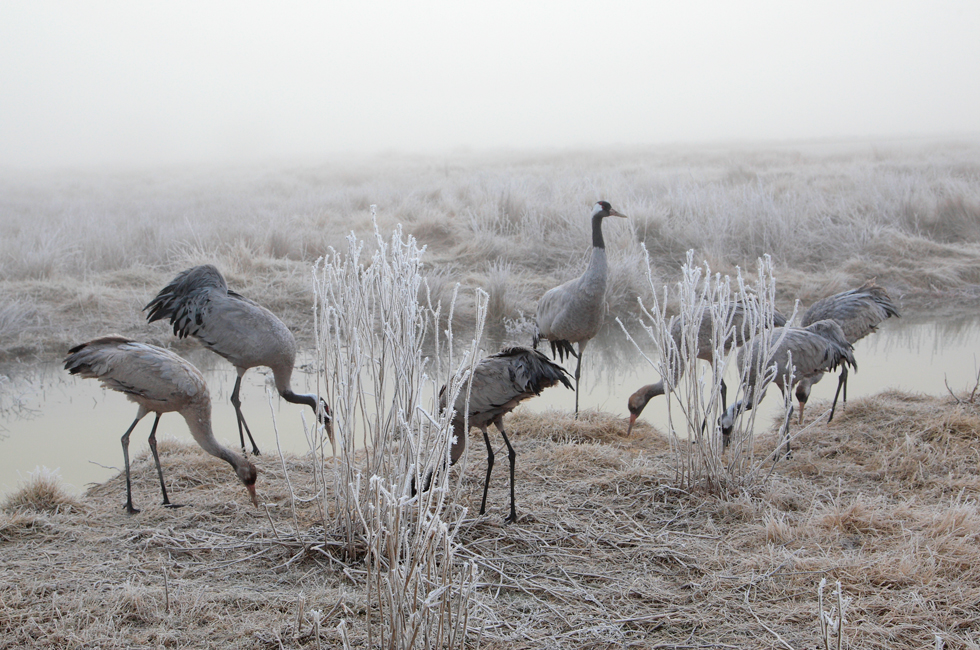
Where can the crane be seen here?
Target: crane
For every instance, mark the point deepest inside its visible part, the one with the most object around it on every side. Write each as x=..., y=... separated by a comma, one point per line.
x=800, y=352
x=638, y=400
x=199, y=303
x=573, y=312
x=500, y=382
x=859, y=312
x=159, y=382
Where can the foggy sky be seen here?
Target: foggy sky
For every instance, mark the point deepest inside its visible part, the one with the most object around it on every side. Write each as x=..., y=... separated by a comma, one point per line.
x=136, y=83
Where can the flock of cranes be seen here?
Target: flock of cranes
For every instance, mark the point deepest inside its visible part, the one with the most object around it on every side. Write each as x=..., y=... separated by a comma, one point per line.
x=198, y=303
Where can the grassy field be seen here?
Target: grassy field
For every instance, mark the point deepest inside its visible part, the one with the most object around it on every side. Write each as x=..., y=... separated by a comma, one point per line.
x=81, y=254
x=607, y=553
x=609, y=550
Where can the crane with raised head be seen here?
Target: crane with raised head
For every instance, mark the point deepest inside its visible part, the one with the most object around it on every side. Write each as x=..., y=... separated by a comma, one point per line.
x=572, y=313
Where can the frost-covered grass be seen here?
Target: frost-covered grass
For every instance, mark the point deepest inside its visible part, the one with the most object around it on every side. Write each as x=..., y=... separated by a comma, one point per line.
x=514, y=225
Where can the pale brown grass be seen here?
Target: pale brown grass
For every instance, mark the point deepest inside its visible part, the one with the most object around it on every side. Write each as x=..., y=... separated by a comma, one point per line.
x=606, y=552
x=43, y=491
x=83, y=252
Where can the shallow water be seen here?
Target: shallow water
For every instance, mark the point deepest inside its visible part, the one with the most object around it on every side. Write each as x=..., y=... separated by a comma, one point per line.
x=74, y=425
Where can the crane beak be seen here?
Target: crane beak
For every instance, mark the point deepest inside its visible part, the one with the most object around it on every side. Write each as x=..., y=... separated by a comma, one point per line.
x=614, y=213
x=251, y=493
x=801, y=412
x=629, y=429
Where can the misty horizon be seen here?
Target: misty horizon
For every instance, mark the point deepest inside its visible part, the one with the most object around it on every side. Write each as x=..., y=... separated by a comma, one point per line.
x=120, y=84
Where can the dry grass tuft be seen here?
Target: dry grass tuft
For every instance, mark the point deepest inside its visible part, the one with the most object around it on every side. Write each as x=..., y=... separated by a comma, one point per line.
x=43, y=491
x=561, y=426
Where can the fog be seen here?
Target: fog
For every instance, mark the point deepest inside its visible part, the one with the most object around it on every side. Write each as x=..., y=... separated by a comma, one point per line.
x=122, y=83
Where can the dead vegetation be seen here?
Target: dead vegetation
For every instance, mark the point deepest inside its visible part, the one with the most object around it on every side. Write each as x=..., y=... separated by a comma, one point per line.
x=606, y=552
x=101, y=245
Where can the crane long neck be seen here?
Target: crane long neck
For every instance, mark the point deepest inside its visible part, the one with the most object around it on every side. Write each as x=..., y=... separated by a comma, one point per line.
x=299, y=398
x=199, y=423
x=652, y=390
x=597, y=241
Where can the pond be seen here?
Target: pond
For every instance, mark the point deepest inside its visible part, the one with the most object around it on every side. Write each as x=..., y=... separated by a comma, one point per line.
x=55, y=420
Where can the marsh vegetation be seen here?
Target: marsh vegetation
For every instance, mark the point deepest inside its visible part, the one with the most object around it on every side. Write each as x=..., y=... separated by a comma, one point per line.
x=640, y=541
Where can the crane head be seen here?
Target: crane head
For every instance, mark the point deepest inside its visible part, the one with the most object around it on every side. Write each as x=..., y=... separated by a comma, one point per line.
x=727, y=423
x=248, y=474
x=802, y=395
x=324, y=417
x=603, y=209
x=635, y=405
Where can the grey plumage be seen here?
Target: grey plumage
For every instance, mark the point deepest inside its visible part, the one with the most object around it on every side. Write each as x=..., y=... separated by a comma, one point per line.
x=859, y=312
x=638, y=400
x=818, y=348
x=573, y=312
x=199, y=303
x=500, y=382
x=159, y=382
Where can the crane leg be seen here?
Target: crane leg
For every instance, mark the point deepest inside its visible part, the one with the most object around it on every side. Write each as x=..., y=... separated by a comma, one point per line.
x=789, y=415
x=486, y=482
x=237, y=403
x=512, y=456
x=841, y=382
x=724, y=407
x=156, y=458
x=125, y=445
x=578, y=371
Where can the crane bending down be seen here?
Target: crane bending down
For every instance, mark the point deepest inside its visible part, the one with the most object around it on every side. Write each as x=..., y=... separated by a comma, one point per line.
x=160, y=382
x=500, y=382
x=858, y=312
x=818, y=348
x=573, y=312
x=638, y=400
x=198, y=303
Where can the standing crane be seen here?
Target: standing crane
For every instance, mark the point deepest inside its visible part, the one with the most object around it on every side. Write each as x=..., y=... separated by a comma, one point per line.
x=638, y=400
x=160, y=382
x=800, y=352
x=500, y=382
x=573, y=312
x=858, y=312
x=198, y=303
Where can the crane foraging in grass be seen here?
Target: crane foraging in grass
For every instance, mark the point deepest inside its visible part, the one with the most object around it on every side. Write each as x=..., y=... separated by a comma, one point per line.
x=737, y=336
x=800, y=352
x=160, y=382
x=500, y=382
x=859, y=312
x=573, y=312
x=198, y=303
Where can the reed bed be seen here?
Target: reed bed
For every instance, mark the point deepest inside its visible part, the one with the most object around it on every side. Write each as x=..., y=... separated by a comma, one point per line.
x=607, y=553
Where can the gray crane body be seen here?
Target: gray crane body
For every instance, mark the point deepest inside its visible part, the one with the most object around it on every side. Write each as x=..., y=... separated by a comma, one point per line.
x=858, y=312
x=802, y=353
x=573, y=312
x=705, y=351
x=500, y=382
x=159, y=382
x=198, y=303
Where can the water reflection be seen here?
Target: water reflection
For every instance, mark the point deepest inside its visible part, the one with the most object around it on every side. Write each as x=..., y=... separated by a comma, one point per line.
x=48, y=418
